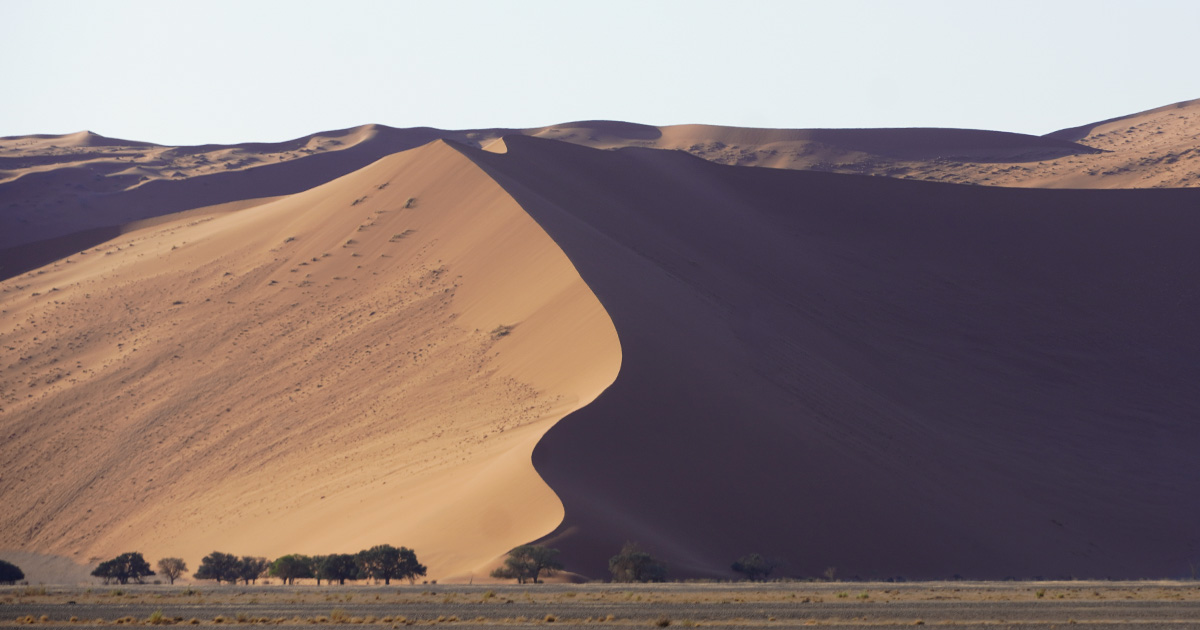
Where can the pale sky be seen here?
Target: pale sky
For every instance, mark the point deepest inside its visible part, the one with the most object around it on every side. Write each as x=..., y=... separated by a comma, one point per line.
x=177, y=72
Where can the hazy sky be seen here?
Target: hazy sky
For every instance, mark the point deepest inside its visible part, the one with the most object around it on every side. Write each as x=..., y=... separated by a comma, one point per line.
x=178, y=72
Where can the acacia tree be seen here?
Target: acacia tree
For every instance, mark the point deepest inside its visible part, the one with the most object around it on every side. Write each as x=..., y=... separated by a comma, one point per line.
x=314, y=566
x=527, y=562
x=172, y=568
x=340, y=567
x=385, y=562
x=10, y=573
x=755, y=567
x=250, y=568
x=125, y=567
x=222, y=567
x=635, y=565
x=290, y=567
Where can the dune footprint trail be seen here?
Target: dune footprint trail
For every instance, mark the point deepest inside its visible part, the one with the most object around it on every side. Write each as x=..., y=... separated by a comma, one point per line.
x=896, y=379
x=368, y=361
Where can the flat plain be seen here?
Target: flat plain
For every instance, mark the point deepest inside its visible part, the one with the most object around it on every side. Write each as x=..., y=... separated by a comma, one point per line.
x=711, y=605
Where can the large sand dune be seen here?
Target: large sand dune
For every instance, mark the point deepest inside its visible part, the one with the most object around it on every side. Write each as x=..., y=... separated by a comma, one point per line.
x=889, y=377
x=893, y=378
x=332, y=370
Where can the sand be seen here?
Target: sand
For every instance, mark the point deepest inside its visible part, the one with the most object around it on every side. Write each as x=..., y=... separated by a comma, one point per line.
x=374, y=335
x=52, y=187
x=898, y=379
x=325, y=372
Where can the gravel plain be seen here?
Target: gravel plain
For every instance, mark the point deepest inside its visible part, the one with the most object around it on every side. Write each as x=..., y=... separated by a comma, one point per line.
x=988, y=605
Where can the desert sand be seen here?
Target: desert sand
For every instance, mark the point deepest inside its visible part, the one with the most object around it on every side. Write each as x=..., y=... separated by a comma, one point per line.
x=597, y=332
x=335, y=369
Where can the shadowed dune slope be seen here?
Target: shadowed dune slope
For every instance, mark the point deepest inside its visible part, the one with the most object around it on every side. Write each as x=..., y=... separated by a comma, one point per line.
x=892, y=378
x=368, y=361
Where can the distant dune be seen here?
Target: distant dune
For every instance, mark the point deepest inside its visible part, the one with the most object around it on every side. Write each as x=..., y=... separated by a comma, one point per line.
x=78, y=187
x=585, y=334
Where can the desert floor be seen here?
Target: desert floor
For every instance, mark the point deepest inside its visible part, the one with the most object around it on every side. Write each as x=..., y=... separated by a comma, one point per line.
x=723, y=605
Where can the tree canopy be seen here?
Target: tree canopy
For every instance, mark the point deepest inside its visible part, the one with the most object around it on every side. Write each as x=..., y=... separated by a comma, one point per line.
x=339, y=567
x=222, y=567
x=385, y=562
x=10, y=573
x=250, y=568
x=527, y=562
x=635, y=565
x=291, y=567
x=172, y=568
x=755, y=567
x=123, y=568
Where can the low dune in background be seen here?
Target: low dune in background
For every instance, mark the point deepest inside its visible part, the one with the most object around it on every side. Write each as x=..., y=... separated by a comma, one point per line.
x=318, y=374
x=267, y=349
x=68, y=192
x=893, y=378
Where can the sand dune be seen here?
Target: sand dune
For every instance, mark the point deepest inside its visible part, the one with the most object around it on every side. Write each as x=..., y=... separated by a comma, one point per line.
x=55, y=186
x=896, y=378
x=893, y=378
x=324, y=372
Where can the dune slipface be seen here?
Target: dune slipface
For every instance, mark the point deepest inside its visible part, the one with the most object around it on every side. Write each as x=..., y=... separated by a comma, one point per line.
x=370, y=361
x=892, y=378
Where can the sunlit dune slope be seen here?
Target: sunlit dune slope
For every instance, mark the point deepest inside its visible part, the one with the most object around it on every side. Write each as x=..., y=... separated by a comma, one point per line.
x=891, y=378
x=51, y=186
x=370, y=361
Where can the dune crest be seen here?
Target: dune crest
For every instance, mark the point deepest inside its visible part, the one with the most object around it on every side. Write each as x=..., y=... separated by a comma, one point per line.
x=368, y=361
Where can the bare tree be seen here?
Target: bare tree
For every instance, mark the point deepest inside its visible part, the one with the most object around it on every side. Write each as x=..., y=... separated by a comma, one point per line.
x=172, y=568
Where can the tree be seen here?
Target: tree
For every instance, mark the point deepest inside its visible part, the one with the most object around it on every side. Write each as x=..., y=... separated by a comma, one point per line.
x=755, y=567
x=222, y=567
x=290, y=567
x=340, y=567
x=635, y=565
x=314, y=566
x=385, y=562
x=10, y=573
x=172, y=568
x=125, y=567
x=527, y=562
x=250, y=568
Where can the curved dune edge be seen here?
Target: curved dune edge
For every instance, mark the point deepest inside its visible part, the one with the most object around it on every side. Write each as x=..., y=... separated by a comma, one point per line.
x=316, y=374
x=896, y=379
